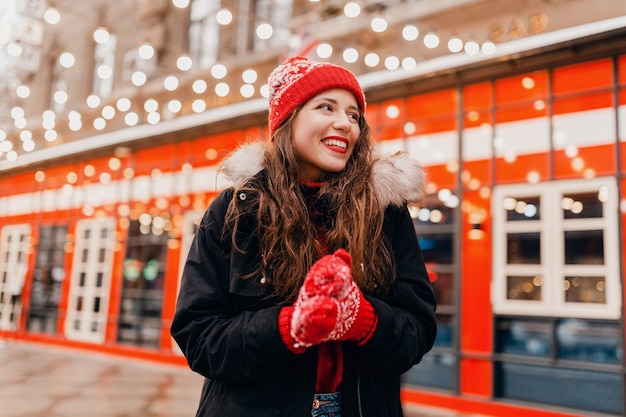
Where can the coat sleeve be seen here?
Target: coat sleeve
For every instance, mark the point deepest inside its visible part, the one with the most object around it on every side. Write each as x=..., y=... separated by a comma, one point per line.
x=220, y=339
x=407, y=328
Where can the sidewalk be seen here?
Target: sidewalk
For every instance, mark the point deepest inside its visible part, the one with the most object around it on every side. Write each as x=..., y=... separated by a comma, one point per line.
x=49, y=381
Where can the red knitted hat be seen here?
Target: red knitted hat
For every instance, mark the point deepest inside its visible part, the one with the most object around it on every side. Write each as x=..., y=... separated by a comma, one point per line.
x=298, y=79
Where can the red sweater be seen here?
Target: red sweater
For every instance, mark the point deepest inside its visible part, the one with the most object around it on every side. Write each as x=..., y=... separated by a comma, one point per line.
x=330, y=355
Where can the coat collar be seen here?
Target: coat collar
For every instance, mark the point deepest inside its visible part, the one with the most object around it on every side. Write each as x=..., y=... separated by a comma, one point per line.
x=398, y=178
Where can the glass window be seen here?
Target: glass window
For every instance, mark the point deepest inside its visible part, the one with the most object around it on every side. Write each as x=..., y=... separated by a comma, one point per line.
x=524, y=287
x=521, y=144
x=589, y=341
x=435, y=224
x=585, y=289
x=432, y=132
x=621, y=115
x=524, y=337
x=90, y=283
x=276, y=13
x=556, y=252
x=436, y=370
x=437, y=248
x=585, y=391
x=583, y=205
x=104, y=66
x=48, y=278
x=584, y=247
x=523, y=248
x=584, y=77
x=204, y=34
x=391, y=118
x=522, y=208
x=563, y=353
x=584, y=120
x=477, y=135
x=142, y=292
x=58, y=88
x=14, y=247
x=522, y=128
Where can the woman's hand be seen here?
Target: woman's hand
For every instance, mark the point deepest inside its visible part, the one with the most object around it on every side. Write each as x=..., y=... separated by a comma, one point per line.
x=330, y=306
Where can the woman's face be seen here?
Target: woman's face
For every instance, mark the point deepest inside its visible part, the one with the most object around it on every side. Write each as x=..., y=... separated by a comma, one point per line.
x=324, y=133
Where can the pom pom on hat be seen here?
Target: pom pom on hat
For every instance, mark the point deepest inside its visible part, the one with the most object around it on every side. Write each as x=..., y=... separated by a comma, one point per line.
x=299, y=79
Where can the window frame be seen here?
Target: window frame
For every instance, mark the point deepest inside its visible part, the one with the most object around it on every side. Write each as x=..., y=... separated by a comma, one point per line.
x=82, y=298
x=551, y=227
x=15, y=247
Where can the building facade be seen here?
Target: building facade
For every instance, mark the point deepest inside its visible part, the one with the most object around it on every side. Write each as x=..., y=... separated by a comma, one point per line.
x=114, y=121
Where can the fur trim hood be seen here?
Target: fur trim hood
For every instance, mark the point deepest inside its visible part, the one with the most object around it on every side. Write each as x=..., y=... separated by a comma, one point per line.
x=398, y=178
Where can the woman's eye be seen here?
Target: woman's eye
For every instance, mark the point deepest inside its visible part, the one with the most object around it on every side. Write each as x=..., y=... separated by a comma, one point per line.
x=326, y=106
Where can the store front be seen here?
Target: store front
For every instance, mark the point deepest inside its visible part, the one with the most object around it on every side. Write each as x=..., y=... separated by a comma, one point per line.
x=522, y=231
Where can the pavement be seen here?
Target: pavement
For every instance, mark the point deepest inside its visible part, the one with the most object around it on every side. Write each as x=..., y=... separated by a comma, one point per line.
x=49, y=381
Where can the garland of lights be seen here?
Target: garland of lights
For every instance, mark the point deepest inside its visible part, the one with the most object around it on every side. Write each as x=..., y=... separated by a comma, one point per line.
x=101, y=36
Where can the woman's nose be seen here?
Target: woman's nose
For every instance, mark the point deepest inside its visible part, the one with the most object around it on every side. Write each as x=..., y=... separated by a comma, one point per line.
x=343, y=122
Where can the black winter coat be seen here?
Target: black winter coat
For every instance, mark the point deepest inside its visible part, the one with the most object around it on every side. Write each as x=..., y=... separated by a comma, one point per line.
x=229, y=334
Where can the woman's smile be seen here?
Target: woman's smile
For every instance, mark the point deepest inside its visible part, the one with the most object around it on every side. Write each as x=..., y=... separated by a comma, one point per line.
x=330, y=119
x=337, y=144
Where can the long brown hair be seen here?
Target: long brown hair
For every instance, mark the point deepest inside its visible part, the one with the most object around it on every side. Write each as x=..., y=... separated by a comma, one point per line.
x=287, y=238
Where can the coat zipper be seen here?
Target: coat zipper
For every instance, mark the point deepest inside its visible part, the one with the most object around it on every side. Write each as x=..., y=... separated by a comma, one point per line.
x=358, y=392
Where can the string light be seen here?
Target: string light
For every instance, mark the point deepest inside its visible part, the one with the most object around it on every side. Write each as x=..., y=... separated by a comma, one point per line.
x=431, y=40
x=123, y=104
x=22, y=91
x=181, y=4
x=93, y=101
x=410, y=33
x=146, y=51
x=219, y=71
x=170, y=83
x=455, y=44
x=224, y=17
x=52, y=16
x=184, y=63
x=264, y=31
x=471, y=48
x=378, y=24
x=350, y=55
x=101, y=35
x=199, y=86
x=174, y=106
x=324, y=50
x=352, y=9
x=249, y=77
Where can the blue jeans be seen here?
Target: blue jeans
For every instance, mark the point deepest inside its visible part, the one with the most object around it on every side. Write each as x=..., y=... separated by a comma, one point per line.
x=326, y=405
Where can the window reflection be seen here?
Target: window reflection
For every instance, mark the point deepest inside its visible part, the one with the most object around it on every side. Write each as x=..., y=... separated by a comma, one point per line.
x=584, y=247
x=584, y=205
x=584, y=340
x=524, y=337
x=445, y=330
x=579, y=289
x=522, y=209
x=524, y=248
x=47, y=280
x=436, y=248
x=142, y=295
x=442, y=283
x=573, y=340
x=524, y=287
x=435, y=227
x=203, y=32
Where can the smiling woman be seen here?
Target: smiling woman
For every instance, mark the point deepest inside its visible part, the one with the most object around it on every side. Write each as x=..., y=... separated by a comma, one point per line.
x=306, y=275
x=325, y=131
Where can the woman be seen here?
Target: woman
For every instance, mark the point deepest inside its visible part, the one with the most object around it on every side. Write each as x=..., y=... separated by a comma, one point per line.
x=305, y=292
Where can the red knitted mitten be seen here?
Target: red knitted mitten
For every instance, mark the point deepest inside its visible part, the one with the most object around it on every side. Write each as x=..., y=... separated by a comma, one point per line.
x=330, y=306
